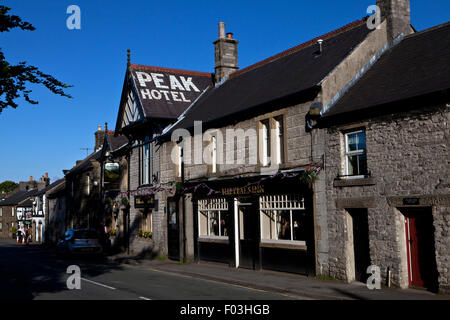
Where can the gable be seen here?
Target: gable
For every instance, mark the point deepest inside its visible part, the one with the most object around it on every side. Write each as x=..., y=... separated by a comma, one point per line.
x=132, y=113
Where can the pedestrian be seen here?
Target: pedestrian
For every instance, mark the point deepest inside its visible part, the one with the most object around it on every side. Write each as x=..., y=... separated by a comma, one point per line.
x=27, y=235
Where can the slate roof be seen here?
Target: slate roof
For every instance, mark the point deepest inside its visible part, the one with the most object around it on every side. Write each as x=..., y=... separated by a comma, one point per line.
x=168, y=106
x=50, y=186
x=85, y=164
x=116, y=142
x=290, y=73
x=418, y=65
x=17, y=198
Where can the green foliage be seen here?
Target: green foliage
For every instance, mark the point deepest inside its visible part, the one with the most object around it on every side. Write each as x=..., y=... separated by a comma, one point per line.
x=15, y=78
x=13, y=230
x=146, y=235
x=124, y=201
x=8, y=186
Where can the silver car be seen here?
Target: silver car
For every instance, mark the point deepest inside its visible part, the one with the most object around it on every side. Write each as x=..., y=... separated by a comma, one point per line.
x=80, y=241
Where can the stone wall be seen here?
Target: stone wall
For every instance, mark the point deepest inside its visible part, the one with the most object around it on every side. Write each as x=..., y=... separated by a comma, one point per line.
x=408, y=156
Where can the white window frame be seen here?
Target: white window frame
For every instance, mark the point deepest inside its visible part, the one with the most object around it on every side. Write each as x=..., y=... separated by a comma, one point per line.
x=211, y=206
x=266, y=145
x=213, y=154
x=291, y=203
x=1, y=212
x=352, y=153
x=180, y=160
x=278, y=136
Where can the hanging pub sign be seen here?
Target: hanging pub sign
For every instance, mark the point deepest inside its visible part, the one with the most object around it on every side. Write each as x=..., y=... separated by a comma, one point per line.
x=246, y=190
x=112, y=172
x=147, y=201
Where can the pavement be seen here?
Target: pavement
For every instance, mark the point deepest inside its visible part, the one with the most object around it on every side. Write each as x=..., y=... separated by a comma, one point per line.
x=294, y=285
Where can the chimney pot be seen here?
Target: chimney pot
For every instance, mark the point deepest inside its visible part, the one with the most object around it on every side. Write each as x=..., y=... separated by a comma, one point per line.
x=221, y=30
x=46, y=174
x=229, y=35
x=99, y=128
x=31, y=178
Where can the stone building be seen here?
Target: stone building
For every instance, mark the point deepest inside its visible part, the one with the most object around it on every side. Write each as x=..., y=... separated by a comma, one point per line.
x=83, y=189
x=152, y=98
x=268, y=209
x=114, y=182
x=55, y=215
x=15, y=210
x=387, y=167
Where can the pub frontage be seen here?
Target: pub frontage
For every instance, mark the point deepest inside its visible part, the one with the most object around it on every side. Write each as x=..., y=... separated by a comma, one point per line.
x=256, y=223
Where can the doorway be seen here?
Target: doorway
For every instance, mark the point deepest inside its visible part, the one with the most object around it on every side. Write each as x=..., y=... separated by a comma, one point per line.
x=247, y=235
x=173, y=229
x=361, y=250
x=419, y=239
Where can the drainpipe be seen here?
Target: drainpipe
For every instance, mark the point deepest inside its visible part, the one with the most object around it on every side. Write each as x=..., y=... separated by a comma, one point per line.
x=183, y=210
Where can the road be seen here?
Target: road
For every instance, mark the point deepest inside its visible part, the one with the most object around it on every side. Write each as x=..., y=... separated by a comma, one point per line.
x=34, y=273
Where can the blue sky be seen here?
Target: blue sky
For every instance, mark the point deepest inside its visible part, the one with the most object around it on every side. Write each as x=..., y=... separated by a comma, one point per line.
x=48, y=137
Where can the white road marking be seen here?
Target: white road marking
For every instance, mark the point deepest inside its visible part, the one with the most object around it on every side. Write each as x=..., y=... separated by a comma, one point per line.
x=144, y=298
x=99, y=284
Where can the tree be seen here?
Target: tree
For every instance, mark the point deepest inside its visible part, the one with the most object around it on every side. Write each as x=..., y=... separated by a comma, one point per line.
x=8, y=186
x=14, y=78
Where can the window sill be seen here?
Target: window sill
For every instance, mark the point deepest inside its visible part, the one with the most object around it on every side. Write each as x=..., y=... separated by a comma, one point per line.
x=213, y=239
x=354, y=181
x=283, y=244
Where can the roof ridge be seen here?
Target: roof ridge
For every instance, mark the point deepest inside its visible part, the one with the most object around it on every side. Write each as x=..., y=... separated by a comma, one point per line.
x=298, y=47
x=172, y=70
x=439, y=26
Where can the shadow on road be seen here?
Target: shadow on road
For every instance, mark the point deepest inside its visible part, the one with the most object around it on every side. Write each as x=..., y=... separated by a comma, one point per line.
x=28, y=271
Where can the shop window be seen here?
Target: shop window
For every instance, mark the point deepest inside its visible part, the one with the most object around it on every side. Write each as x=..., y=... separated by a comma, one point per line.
x=355, y=153
x=283, y=218
x=213, y=218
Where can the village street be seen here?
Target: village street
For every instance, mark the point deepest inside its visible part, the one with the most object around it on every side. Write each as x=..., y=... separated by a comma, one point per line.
x=31, y=272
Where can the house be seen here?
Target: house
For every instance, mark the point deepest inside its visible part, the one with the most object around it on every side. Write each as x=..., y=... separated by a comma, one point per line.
x=387, y=167
x=55, y=214
x=250, y=162
x=15, y=210
x=41, y=211
x=114, y=182
x=152, y=98
x=82, y=189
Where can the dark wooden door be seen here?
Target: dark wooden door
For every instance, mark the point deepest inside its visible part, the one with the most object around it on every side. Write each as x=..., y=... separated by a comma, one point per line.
x=361, y=243
x=247, y=236
x=422, y=270
x=173, y=229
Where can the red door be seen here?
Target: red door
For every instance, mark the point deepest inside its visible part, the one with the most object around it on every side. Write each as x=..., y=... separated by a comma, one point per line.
x=412, y=250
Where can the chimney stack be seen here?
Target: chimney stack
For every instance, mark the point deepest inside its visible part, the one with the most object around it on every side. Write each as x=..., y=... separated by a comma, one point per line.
x=397, y=14
x=226, y=56
x=99, y=138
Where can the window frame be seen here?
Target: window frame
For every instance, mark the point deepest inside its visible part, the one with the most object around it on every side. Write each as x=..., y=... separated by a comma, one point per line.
x=146, y=158
x=358, y=152
x=272, y=149
x=287, y=204
x=216, y=205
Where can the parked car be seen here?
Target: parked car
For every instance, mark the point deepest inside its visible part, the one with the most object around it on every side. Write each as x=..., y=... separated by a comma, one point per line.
x=80, y=241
